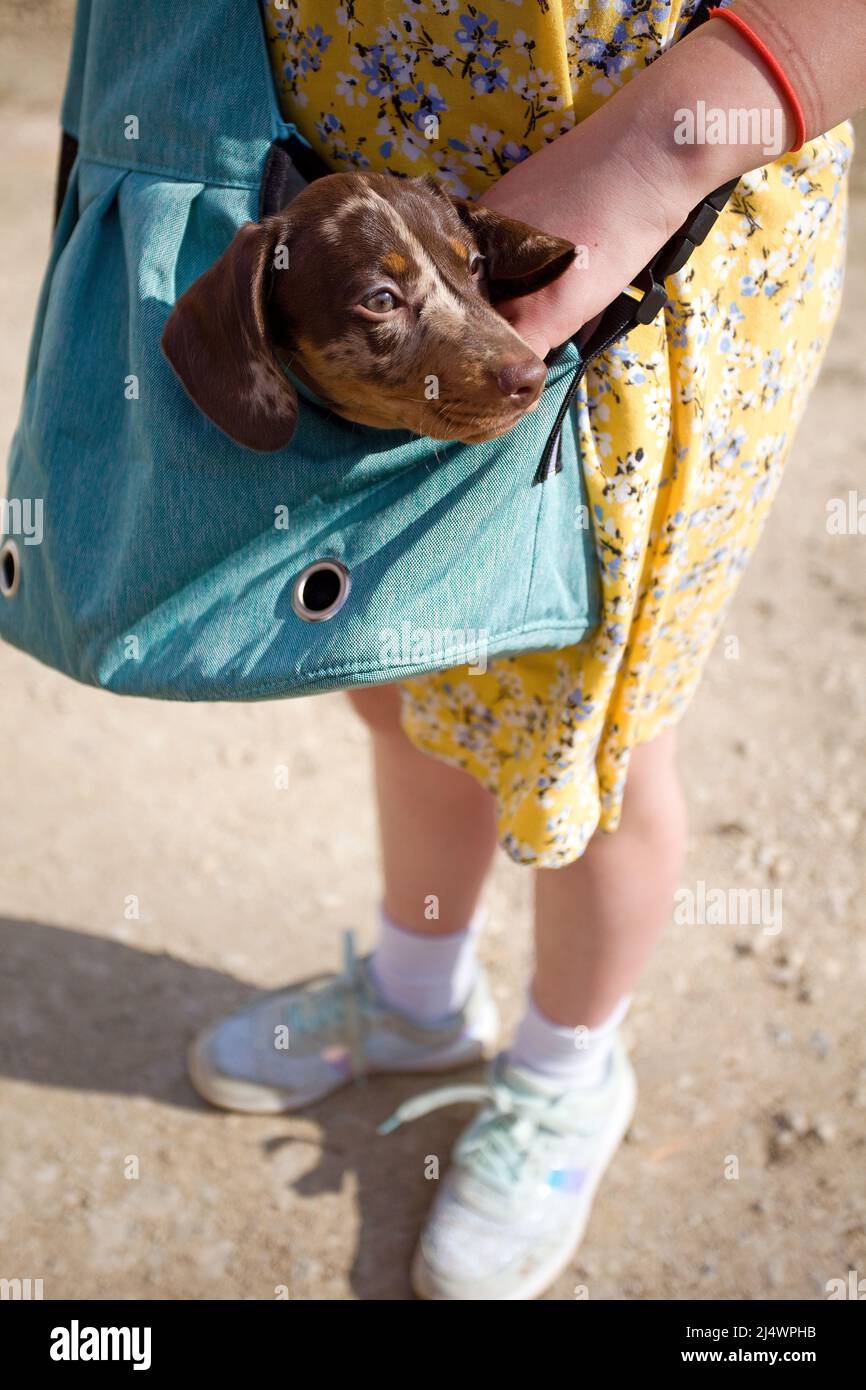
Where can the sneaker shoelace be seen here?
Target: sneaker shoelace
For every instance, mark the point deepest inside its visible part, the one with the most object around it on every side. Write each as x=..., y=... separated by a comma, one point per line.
x=503, y=1137
x=337, y=1008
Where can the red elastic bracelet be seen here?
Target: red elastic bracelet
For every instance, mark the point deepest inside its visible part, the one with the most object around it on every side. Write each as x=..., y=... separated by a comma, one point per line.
x=775, y=68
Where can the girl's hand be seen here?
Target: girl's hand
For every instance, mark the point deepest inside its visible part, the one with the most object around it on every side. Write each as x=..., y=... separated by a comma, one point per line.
x=614, y=192
x=619, y=209
x=619, y=185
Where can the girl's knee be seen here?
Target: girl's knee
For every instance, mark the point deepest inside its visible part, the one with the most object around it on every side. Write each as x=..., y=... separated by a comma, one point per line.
x=654, y=801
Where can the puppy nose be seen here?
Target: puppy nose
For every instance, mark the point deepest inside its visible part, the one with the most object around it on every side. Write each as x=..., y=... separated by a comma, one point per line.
x=522, y=380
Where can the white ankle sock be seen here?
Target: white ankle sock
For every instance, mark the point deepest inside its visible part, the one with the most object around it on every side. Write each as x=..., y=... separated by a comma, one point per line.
x=426, y=977
x=576, y=1057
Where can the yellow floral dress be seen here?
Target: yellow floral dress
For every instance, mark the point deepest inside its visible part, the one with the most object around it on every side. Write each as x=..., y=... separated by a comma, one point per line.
x=685, y=425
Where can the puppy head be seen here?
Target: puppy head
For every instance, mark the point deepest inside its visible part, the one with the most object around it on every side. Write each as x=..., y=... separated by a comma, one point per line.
x=379, y=294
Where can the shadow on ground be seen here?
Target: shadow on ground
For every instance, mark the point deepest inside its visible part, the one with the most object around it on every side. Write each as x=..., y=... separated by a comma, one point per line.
x=77, y=1007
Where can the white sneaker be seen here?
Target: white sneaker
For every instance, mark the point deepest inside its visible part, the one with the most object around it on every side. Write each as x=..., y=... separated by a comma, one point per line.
x=513, y=1207
x=298, y=1044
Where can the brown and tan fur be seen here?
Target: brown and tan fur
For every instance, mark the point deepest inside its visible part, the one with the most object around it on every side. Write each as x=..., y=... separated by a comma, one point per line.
x=432, y=355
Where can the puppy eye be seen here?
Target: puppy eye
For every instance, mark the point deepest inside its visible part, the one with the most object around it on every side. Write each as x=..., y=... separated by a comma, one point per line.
x=381, y=302
x=476, y=266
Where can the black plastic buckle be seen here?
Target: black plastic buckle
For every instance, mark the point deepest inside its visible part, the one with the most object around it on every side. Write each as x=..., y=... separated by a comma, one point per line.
x=675, y=253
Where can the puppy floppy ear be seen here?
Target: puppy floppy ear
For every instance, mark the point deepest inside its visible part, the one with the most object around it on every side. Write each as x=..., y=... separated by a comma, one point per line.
x=218, y=341
x=520, y=258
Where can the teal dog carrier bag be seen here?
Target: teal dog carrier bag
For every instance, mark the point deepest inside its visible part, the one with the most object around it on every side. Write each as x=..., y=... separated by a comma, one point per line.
x=161, y=558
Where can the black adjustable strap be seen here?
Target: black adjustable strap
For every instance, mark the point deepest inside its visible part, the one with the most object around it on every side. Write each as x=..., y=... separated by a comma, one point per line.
x=628, y=310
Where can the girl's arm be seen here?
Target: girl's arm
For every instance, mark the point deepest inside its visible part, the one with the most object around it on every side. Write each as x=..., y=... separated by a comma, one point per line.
x=821, y=48
x=621, y=184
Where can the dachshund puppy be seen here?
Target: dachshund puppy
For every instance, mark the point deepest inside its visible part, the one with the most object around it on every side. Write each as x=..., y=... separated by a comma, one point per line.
x=378, y=293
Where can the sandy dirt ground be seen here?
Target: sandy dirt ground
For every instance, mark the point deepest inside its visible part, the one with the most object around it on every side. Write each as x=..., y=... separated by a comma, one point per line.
x=749, y=1046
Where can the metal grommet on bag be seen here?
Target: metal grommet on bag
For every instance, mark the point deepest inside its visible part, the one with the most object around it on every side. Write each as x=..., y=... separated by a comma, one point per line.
x=10, y=569
x=321, y=590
